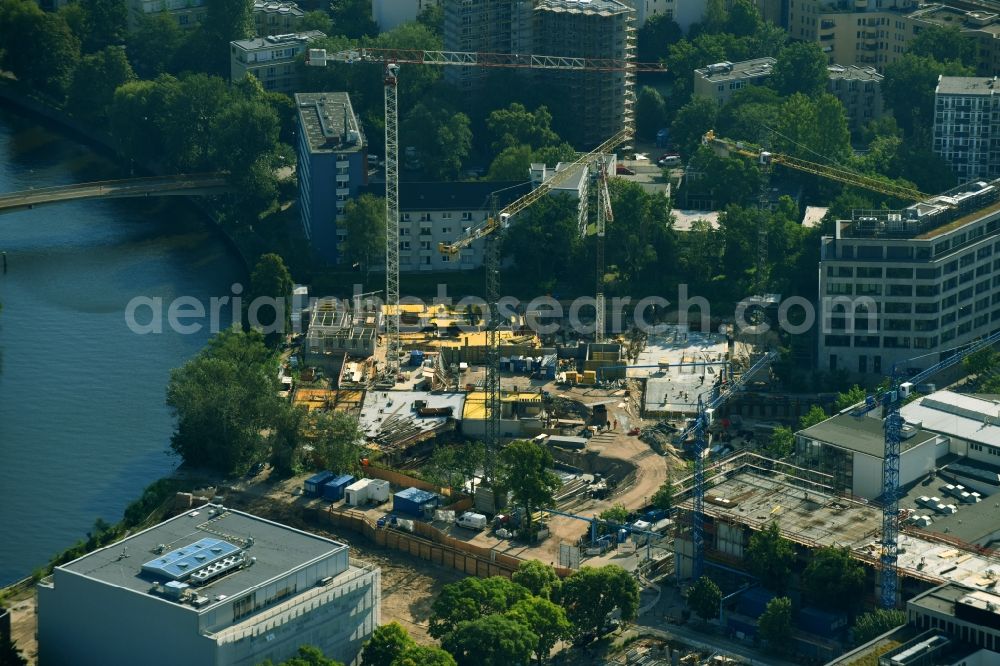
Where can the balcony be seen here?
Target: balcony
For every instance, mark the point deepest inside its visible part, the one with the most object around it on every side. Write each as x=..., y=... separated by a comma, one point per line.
x=343, y=191
x=343, y=164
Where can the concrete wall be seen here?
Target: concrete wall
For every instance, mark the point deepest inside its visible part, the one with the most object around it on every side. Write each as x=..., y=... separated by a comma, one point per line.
x=867, y=476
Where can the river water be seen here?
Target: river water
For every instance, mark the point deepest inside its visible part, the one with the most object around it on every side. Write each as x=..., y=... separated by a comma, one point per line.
x=83, y=425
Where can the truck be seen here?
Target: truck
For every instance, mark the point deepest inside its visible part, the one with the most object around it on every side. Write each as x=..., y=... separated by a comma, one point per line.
x=473, y=521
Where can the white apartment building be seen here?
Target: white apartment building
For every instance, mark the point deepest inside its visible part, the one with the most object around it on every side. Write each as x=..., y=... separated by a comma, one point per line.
x=895, y=285
x=276, y=18
x=433, y=213
x=271, y=59
x=389, y=14
x=720, y=81
x=188, y=13
x=212, y=586
x=967, y=126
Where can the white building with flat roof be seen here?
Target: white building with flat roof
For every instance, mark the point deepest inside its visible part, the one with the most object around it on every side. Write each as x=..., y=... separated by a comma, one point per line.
x=211, y=586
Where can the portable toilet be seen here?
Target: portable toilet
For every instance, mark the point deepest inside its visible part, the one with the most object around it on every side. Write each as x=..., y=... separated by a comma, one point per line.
x=414, y=502
x=356, y=494
x=333, y=489
x=313, y=486
x=378, y=491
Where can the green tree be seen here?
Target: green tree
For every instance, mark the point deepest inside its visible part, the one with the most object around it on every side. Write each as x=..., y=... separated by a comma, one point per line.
x=547, y=237
x=317, y=19
x=538, y=578
x=525, y=472
x=9, y=654
x=364, y=222
x=650, y=113
x=308, y=655
x=452, y=465
x=242, y=132
x=95, y=80
x=644, y=241
x=704, y=598
x=692, y=121
x=272, y=284
x=187, y=117
x=943, y=43
x=875, y=623
x=832, y=579
x=494, y=640
x=516, y=126
x=472, y=598
x=591, y=595
x=153, y=44
x=225, y=399
x=655, y=37
x=770, y=557
x=106, y=23
x=749, y=114
x=432, y=18
x=225, y=21
x=338, y=441
x=617, y=514
x=781, y=444
x=545, y=619
x=23, y=27
x=729, y=180
x=812, y=417
x=353, y=18
x=775, y=623
x=387, y=643
x=800, y=68
x=908, y=88
x=663, y=498
x=512, y=164
x=849, y=398
x=443, y=139
x=744, y=18
x=423, y=655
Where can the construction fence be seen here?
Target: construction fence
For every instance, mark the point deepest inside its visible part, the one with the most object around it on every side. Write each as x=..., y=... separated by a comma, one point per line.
x=428, y=543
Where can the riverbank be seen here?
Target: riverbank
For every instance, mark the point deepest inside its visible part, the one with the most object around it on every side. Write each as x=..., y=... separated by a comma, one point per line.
x=38, y=109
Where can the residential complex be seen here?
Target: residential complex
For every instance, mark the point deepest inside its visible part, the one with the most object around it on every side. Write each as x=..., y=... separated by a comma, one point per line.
x=389, y=14
x=188, y=13
x=898, y=285
x=276, y=18
x=859, y=89
x=271, y=59
x=966, y=126
x=210, y=586
x=721, y=80
x=433, y=213
x=332, y=166
x=976, y=23
x=684, y=14
x=593, y=105
x=864, y=32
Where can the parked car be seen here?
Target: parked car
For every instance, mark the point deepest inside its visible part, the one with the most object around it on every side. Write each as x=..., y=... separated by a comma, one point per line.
x=255, y=470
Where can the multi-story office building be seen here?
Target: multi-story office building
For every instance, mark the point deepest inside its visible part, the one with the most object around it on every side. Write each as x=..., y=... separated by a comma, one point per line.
x=722, y=80
x=484, y=26
x=389, y=14
x=276, y=18
x=966, y=126
x=592, y=106
x=897, y=285
x=859, y=89
x=332, y=166
x=862, y=32
x=433, y=213
x=211, y=586
x=271, y=59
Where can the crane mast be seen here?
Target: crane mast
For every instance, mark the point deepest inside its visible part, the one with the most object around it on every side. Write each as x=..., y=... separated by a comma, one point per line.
x=604, y=215
x=393, y=346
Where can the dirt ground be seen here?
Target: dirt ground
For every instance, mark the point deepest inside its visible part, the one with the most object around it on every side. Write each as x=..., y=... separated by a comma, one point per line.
x=23, y=622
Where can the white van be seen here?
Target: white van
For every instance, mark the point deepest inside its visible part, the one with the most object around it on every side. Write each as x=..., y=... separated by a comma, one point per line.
x=472, y=521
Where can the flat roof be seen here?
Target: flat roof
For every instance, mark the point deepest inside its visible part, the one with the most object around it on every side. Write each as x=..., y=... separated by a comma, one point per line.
x=329, y=122
x=854, y=73
x=970, y=524
x=277, y=41
x=968, y=417
x=860, y=434
x=270, y=7
x=278, y=550
x=602, y=7
x=393, y=413
x=740, y=70
x=966, y=85
x=475, y=402
x=942, y=599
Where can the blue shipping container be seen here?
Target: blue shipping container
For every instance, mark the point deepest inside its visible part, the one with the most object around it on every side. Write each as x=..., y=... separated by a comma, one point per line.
x=333, y=490
x=313, y=486
x=413, y=501
x=416, y=357
x=819, y=622
x=753, y=602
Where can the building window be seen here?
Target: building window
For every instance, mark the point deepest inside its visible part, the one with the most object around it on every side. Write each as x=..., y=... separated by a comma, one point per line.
x=466, y=216
x=243, y=607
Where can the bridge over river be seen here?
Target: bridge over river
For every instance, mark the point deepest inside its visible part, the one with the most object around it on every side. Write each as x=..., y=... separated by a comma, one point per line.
x=181, y=184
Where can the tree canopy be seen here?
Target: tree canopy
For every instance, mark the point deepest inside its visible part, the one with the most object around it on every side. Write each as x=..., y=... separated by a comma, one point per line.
x=546, y=620
x=800, y=68
x=704, y=598
x=832, y=579
x=308, y=655
x=875, y=623
x=493, y=640
x=337, y=440
x=770, y=557
x=386, y=644
x=272, y=284
x=775, y=623
x=592, y=594
x=525, y=472
x=538, y=578
x=472, y=598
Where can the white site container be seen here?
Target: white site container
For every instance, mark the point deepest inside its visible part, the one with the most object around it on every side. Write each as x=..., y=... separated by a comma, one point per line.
x=378, y=491
x=357, y=493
